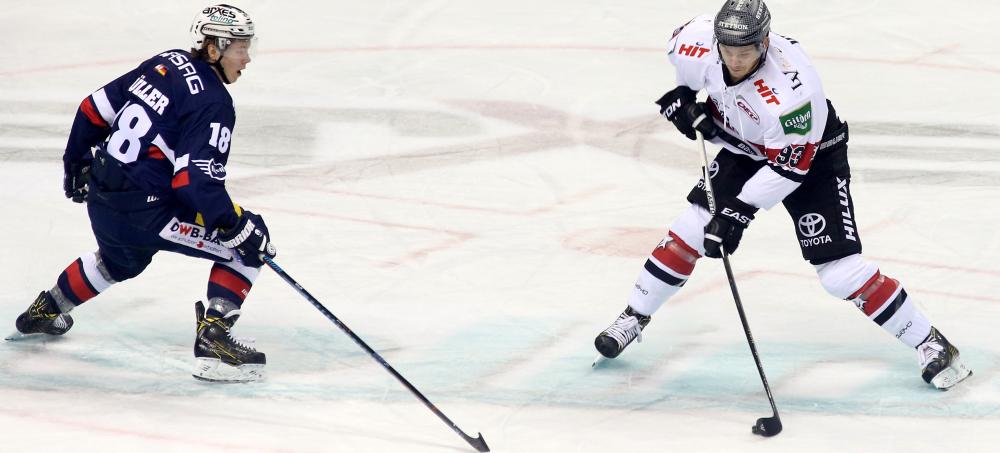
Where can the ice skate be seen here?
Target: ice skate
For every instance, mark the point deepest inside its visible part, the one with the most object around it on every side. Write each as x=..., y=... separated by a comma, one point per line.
x=940, y=362
x=616, y=337
x=41, y=317
x=219, y=357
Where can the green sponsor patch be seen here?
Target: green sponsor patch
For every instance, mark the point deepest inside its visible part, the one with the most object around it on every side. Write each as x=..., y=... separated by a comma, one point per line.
x=798, y=121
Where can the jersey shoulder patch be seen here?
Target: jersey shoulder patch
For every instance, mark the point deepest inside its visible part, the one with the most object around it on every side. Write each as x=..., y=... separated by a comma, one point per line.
x=693, y=39
x=677, y=30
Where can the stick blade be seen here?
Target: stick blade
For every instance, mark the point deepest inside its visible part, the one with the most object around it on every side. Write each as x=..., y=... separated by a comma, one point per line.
x=478, y=442
x=767, y=426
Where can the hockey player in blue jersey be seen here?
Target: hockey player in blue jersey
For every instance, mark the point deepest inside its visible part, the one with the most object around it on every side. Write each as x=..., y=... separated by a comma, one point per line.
x=147, y=153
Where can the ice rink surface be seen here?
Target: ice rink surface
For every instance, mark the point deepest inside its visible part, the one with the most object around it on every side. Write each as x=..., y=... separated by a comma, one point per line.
x=472, y=187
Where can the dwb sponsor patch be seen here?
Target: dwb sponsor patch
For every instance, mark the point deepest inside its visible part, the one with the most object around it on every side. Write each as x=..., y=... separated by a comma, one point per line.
x=194, y=236
x=798, y=121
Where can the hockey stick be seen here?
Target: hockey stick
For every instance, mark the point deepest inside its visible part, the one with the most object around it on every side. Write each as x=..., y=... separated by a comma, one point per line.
x=476, y=442
x=765, y=426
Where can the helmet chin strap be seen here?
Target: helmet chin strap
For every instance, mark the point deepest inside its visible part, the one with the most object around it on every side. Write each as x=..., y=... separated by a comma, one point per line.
x=222, y=71
x=220, y=45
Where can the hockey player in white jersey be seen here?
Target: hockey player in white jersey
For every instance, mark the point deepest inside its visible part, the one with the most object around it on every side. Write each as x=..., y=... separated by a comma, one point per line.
x=781, y=142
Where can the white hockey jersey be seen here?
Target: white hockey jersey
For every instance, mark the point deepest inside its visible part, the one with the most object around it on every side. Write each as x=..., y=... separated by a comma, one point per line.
x=778, y=113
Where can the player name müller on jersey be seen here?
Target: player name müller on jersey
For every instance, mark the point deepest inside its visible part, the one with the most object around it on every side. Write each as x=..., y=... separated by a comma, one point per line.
x=169, y=124
x=778, y=112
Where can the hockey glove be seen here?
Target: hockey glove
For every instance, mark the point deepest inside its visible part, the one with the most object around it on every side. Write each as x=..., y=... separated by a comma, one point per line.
x=701, y=120
x=75, y=179
x=673, y=105
x=249, y=240
x=726, y=227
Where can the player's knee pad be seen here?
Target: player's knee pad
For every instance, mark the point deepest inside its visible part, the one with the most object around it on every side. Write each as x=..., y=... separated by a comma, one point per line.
x=121, y=270
x=845, y=277
x=675, y=258
x=665, y=272
x=689, y=228
x=97, y=271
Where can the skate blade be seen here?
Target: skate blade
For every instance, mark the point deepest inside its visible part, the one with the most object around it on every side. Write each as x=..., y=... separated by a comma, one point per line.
x=213, y=370
x=953, y=374
x=18, y=336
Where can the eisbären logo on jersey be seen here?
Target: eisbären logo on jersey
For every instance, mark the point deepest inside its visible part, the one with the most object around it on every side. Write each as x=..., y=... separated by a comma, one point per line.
x=211, y=168
x=798, y=121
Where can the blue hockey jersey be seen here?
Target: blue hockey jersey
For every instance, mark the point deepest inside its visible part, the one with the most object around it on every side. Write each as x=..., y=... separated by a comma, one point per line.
x=169, y=124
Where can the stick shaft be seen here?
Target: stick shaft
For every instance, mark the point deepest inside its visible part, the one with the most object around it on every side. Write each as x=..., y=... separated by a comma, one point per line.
x=477, y=442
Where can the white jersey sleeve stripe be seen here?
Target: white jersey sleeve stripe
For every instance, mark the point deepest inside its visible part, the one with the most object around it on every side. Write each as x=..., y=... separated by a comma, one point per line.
x=103, y=105
x=166, y=150
x=181, y=163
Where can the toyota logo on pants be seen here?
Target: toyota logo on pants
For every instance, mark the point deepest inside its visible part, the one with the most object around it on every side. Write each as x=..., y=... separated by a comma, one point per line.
x=811, y=224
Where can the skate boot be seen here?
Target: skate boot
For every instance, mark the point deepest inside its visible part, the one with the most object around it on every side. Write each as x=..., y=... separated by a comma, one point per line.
x=42, y=317
x=626, y=328
x=941, y=364
x=219, y=357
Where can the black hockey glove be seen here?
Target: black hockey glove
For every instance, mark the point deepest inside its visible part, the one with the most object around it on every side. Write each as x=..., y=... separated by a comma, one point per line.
x=701, y=120
x=679, y=106
x=726, y=227
x=673, y=105
x=75, y=179
x=249, y=240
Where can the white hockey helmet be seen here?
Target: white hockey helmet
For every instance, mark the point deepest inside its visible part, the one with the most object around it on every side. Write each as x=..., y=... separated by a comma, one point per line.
x=224, y=22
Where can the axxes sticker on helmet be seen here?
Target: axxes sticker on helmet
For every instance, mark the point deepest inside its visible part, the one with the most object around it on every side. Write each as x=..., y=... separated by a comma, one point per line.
x=220, y=14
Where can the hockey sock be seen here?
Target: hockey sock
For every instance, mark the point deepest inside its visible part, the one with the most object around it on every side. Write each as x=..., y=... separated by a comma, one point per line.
x=230, y=281
x=81, y=281
x=664, y=273
x=886, y=303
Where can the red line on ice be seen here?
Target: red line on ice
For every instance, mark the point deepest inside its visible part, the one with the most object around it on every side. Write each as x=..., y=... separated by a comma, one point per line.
x=911, y=61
